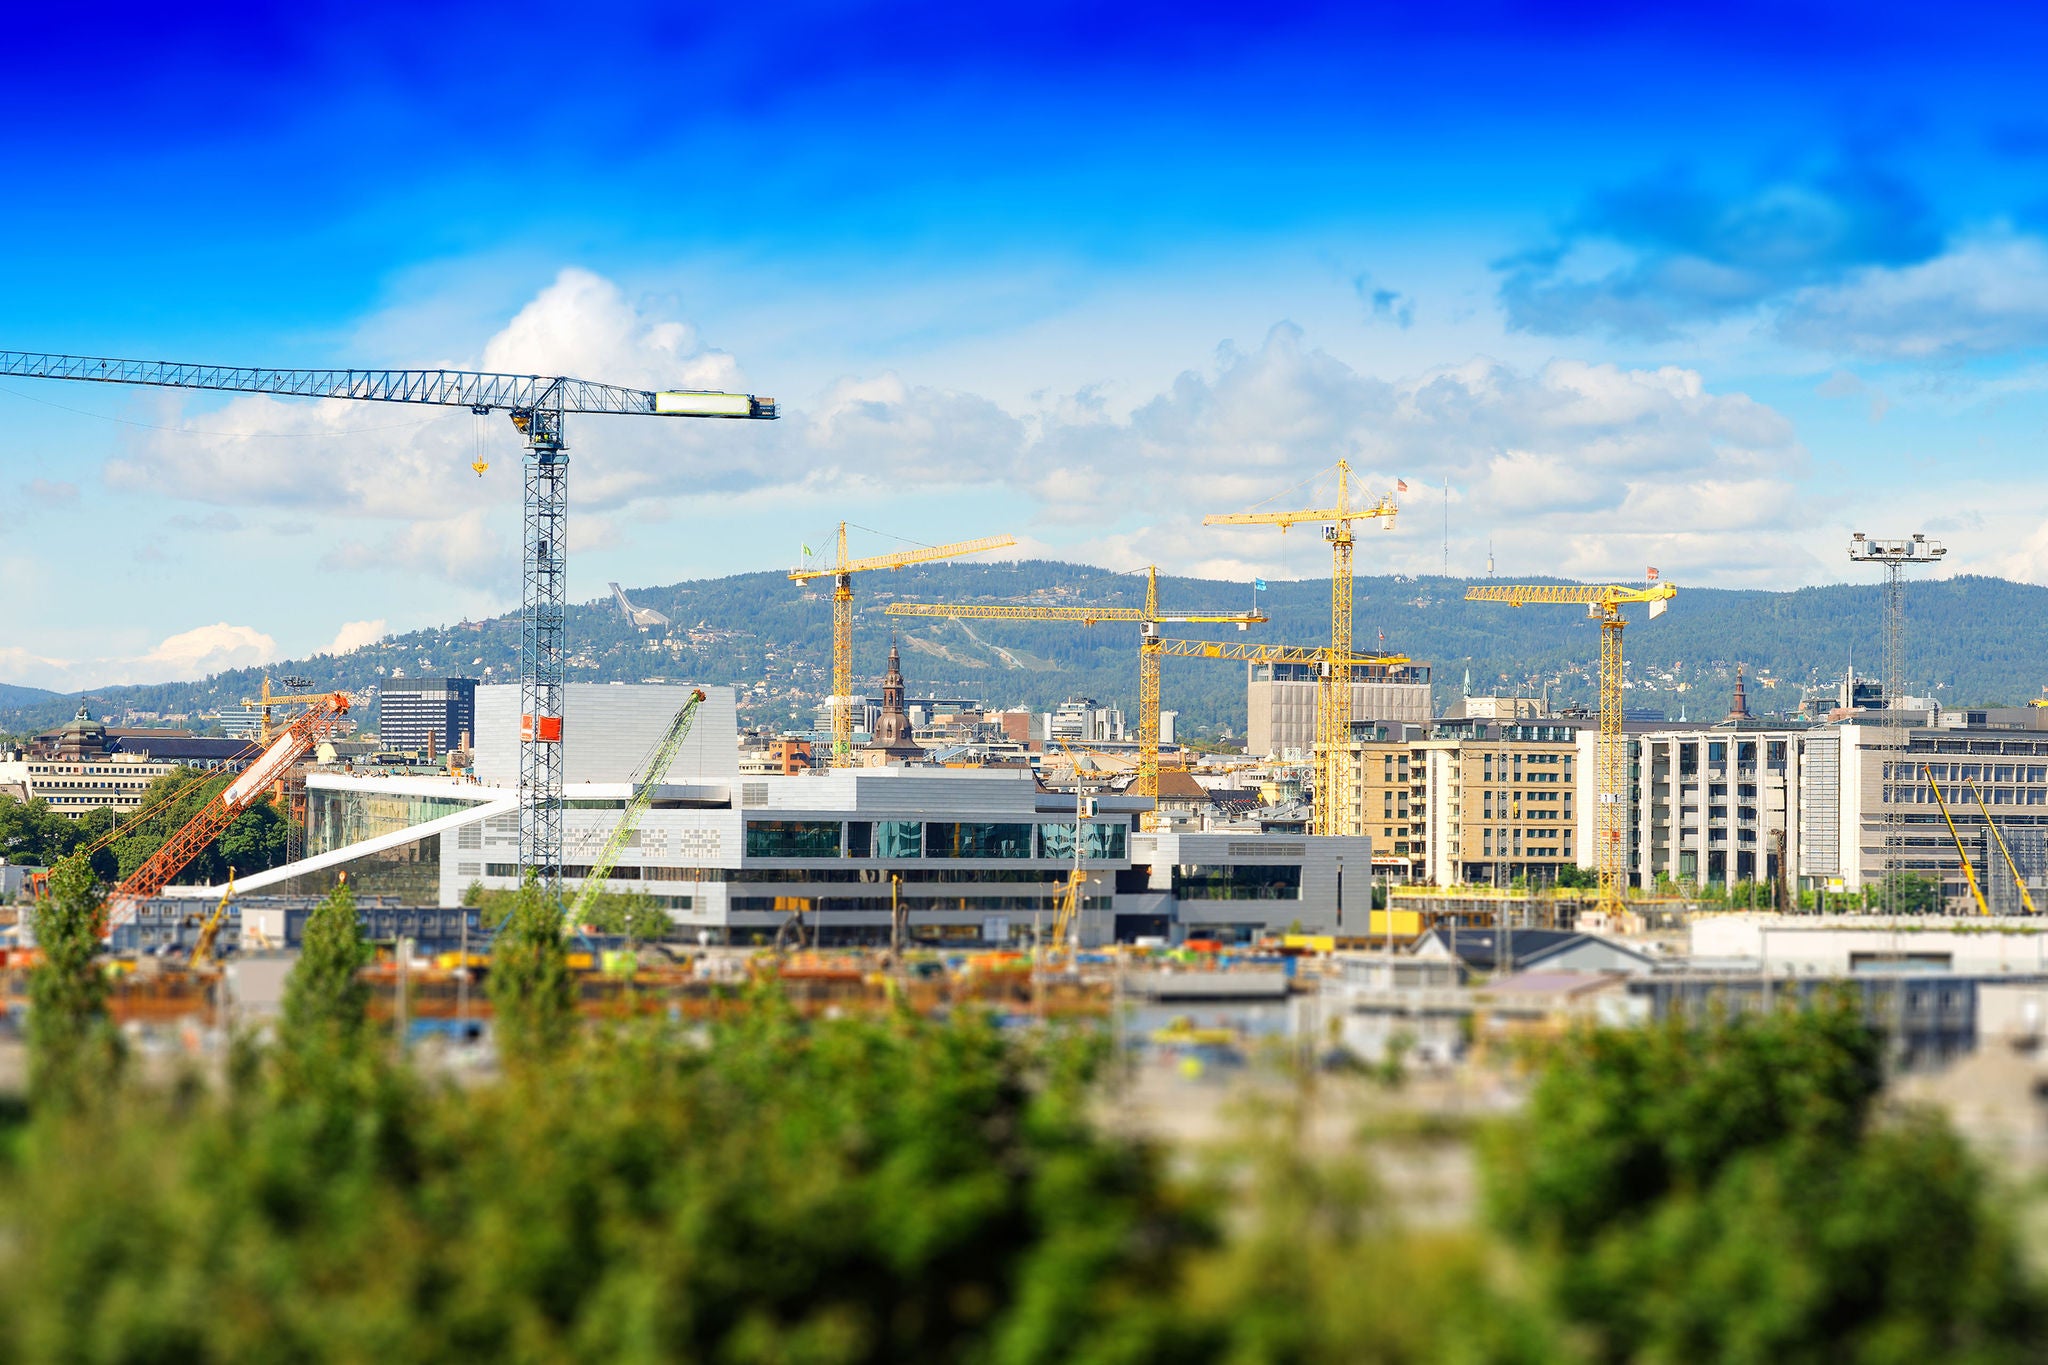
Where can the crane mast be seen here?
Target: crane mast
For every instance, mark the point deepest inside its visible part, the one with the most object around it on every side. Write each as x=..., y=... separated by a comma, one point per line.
x=1969, y=872
x=1603, y=603
x=1336, y=807
x=537, y=405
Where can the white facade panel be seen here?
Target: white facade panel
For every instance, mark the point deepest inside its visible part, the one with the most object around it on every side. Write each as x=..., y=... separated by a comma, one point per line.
x=609, y=731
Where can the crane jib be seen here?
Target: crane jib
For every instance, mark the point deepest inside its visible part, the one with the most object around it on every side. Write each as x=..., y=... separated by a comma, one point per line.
x=446, y=388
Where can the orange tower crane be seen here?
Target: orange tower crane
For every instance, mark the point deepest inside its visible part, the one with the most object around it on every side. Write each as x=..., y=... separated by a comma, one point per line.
x=841, y=571
x=1150, y=646
x=1603, y=602
x=291, y=744
x=1333, y=802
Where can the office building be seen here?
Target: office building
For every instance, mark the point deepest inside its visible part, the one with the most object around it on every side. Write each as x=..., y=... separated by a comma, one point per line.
x=1280, y=703
x=426, y=715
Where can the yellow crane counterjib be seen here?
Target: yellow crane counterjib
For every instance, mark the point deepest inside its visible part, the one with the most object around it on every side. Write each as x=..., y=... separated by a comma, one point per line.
x=1609, y=596
x=905, y=559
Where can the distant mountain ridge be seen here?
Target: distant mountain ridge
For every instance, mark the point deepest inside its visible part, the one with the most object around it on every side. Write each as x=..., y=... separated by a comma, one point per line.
x=13, y=697
x=1970, y=640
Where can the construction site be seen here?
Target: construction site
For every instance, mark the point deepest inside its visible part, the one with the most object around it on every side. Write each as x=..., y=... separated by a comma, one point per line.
x=1043, y=868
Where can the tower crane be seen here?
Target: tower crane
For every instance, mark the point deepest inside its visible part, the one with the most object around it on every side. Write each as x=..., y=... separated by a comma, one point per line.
x=1333, y=802
x=267, y=699
x=291, y=744
x=538, y=406
x=1603, y=603
x=651, y=775
x=841, y=572
x=1375, y=667
x=1266, y=652
x=1148, y=617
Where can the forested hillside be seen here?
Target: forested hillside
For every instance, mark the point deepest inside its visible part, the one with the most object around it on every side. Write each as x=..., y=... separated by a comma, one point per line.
x=1970, y=640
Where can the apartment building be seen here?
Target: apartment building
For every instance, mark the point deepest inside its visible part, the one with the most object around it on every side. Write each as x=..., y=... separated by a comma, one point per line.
x=1711, y=804
x=1472, y=800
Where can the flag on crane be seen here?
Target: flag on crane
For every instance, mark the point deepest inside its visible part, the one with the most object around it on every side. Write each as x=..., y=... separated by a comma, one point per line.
x=1400, y=485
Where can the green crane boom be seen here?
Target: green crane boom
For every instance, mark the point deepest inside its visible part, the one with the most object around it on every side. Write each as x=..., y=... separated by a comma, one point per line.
x=636, y=806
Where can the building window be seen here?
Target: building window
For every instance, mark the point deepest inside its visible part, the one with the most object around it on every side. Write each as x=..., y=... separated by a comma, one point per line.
x=950, y=840
x=1101, y=839
x=793, y=839
x=899, y=839
x=1240, y=882
x=860, y=838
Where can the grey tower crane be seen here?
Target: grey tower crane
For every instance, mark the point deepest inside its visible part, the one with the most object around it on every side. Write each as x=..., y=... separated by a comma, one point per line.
x=537, y=405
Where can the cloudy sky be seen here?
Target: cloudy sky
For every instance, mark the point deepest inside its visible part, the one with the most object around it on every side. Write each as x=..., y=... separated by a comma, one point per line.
x=1707, y=293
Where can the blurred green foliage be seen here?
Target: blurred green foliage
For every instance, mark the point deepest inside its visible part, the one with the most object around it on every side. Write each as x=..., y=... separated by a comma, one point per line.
x=1735, y=1192
x=770, y=1189
x=73, y=1049
x=533, y=994
x=326, y=1001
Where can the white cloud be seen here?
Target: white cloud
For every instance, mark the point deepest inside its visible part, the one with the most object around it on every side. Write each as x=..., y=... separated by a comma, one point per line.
x=50, y=492
x=210, y=649
x=1985, y=295
x=462, y=549
x=188, y=654
x=1534, y=457
x=355, y=634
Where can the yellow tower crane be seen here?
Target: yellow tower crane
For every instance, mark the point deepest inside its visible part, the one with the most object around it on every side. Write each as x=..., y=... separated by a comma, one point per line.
x=841, y=571
x=1603, y=602
x=1149, y=619
x=1333, y=697
x=268, y=699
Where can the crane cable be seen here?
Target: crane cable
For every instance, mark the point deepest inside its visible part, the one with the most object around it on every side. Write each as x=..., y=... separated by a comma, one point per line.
x=478, y=437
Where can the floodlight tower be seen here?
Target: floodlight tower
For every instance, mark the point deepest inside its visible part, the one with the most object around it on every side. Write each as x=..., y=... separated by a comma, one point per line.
x=1894, y=557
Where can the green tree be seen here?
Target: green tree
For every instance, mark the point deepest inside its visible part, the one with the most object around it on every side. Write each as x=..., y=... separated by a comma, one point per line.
x=533, y=994
x=73, y=1049
x=633, y=916
x=255, y=842
x=1571, y=875
x=1733, y=1192
x=1904, y=893
x=326, y=1002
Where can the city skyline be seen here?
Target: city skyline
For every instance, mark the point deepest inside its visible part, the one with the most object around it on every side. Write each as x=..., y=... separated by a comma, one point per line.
x=1701, y=292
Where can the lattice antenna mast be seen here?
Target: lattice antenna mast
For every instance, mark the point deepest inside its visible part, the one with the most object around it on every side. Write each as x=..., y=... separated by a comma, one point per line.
x=537, y=405
x=1894, y=557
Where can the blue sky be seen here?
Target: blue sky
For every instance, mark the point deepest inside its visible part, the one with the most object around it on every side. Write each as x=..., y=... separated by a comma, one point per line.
x=1705, y=291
